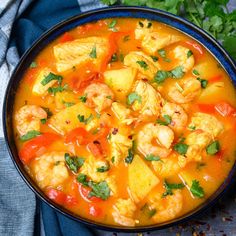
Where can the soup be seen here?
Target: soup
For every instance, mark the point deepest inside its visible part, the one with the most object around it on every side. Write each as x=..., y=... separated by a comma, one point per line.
x=126, y=122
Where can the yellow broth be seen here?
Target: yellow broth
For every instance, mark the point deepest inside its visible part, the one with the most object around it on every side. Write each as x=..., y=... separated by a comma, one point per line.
x=216, y=98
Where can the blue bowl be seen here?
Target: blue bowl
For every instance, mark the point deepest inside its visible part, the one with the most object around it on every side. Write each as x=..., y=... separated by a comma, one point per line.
x=113, y=12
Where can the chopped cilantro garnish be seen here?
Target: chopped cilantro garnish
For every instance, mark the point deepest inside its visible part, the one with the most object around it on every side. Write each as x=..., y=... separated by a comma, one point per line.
x=196, y=189
x=33, y=64
x=51, y=77
x=177, y=72
x=181, y=148
x=195, y=72
x=130, y=156
x=154, y=58
x=151, y=157
x=100, y=190
x=114, y=57
x=74, y=162
x=29, y=135
x=203, y=82
x=213, y=148
x=132, y=97
x=103, y=168
x=189, y=53
x=83, y=98
x=93, y=53
x=170, y=187
x=55, y=90
x=166, y=121
x=84, y=120
x=142, y=64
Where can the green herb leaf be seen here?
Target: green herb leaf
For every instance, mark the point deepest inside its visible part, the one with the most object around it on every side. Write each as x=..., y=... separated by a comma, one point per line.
x=161, y=76
x=166, y=121
x=203, y=82
x=213, y=148
x=84, y=120
x=114, y=57
x=142, y=64
x=93, y=53
x=189, y=53
x=43, y=121
x=141, y=24
x=195, y=72
x=83, y=98
x=112, y=24
x=68, y=104
x=82, y=178
x=49, y=113
x=177, y=72
x=74, y=162
x=100, y=190
x=130, y=156
x=29, y=135
x=170, y=187
x=181, y=148
x=154, y=58
x=33, y=64
x=151, y=157
x=58, y=89
x=196, y=189
x=162, y=53
x=149, y=25
x=132, y=97
x=51, y=77
x=103, y=168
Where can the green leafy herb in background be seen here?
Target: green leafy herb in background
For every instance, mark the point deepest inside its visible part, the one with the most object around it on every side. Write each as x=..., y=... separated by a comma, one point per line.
x=212, y=16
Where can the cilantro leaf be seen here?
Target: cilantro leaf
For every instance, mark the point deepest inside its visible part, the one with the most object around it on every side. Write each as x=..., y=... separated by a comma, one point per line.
x=161, y=76
x=93, y=53
x=112, y=24
x=177, y=72
x=142, y=64
x=102, y=169
x=84, y=120
x=51, y=77
x=74, y=162
x=58, y=89
x=132, y=97
x=203, y=82
x=189, y=53
x=29, y=135
x=151, y=157
x=195, y=72
x=181, y=148
x=68, y=104
x=166, y=121
x=83, y=98
x=100, y=190
x=213, y=148
x=82, y=178
x=130, y=156
x=33, y=64
x=170, y=187
x=196, y=189
x=154, y=58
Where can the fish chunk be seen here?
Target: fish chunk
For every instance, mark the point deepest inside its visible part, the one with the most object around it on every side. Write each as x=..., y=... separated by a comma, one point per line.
x=79, y=51
x=143, y=63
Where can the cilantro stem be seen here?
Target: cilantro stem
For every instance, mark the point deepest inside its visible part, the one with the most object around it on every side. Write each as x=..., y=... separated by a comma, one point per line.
x=195, y=19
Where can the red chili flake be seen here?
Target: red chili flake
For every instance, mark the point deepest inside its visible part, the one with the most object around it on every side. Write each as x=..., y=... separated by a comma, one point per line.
x=130, y=136
x=114, y=131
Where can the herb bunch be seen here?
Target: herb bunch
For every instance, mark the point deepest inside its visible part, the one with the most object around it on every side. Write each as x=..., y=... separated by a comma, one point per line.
x=212, y=16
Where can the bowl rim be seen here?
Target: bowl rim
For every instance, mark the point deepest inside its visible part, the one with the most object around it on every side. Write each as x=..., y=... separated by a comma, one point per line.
x=31, y=184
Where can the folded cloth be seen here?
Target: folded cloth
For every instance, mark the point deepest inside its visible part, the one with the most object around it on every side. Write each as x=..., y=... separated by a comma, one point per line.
x=21, y=23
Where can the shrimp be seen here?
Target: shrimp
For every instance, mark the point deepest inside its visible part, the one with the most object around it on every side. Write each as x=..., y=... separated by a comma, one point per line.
x=50, y=169
x=207, y=123
x=166, y=208
x=179, y=117
x=196, y=141
x=123, y=212
x=28, y=118
x=99, y=96
x=185, y=59
x=185, y=91
x=167, y=166
x=163, y=135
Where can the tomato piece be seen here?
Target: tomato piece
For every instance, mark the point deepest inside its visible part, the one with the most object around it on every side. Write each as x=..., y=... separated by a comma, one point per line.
x=196, y=46
x=225, y=109
x=79, y=135
x=65, y=38
x=215, y=79
x=95, y=148
x=84, y=192
x=206, y=108
x=60, y=198
x=30, y=148
x=95, y=210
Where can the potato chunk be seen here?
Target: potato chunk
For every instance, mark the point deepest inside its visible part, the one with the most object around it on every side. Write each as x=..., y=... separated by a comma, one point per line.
x=67, y=119
x=39, y=89
x=140, y=178
x=143, y=63
x=79, y=51
x=120, y=81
